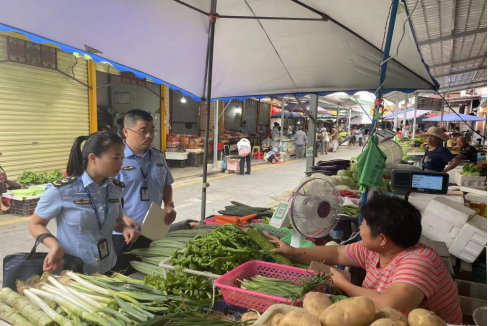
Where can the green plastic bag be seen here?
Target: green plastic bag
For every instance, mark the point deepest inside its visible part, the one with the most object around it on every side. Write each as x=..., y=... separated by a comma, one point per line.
x=371, y=164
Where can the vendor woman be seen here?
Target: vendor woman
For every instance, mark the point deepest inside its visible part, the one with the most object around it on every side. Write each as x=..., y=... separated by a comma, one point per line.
x=436, y=156
x=87, y=206
x=401, y=273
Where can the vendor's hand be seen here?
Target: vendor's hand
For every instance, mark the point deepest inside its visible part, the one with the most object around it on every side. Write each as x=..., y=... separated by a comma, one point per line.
x=130, y=235
x=283, y=248
x=339, y=277
x=170, y=215
x=132, y=223
x=54, y=259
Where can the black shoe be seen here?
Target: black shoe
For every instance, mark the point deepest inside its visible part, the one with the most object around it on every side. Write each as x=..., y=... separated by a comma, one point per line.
x=248, y=172
x=240, y=173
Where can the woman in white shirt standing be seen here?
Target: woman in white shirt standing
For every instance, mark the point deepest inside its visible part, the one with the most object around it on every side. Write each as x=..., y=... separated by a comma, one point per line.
x=324, y=137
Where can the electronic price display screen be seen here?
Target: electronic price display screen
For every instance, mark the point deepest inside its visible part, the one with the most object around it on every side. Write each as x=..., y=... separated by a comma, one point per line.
x=434, y=183
x=420, y=181
x=431, y=182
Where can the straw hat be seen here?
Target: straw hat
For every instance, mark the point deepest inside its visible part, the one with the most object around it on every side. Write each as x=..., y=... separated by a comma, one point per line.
x=436, y=132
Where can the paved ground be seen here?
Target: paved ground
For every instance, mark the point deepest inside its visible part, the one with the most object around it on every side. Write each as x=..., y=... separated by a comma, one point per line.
x=265, y=180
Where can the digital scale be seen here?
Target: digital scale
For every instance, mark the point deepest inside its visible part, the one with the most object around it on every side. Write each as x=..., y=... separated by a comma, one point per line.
x=406, y=181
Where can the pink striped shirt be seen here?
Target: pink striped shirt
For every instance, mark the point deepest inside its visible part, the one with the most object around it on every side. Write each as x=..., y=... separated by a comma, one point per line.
x=419, y=266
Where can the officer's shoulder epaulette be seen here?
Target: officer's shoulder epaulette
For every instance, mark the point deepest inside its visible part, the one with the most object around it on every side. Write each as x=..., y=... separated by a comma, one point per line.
x=118, y=183
x=65, y=181
x=157, y=150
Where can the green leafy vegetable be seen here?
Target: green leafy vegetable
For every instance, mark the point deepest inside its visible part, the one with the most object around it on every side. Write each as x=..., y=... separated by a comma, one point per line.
x=471, y=170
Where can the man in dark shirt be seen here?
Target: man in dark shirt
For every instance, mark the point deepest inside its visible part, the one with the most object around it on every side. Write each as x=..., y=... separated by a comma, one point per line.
x=466, y=151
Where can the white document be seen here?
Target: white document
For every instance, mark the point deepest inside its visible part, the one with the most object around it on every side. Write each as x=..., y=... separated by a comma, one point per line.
x=153, y=226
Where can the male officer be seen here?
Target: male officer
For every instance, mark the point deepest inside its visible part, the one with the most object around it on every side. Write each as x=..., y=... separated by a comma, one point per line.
x=147, y=180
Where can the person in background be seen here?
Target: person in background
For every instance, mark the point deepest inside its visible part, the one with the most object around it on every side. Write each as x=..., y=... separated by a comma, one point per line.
x=335, y=139
x=290, y=129
x=87, y=206
x=266, y=144
x=147, y=180
x=244, y=148
x=352, y=140
x=300, y=140
x=104, y=129
x=398, y=137
x=469, y=136
x=452, y=143
x=466, y=151
x=276, y=131
x=359, y=136
x=5, y=185
x=401, y=272
x=436, y=156
x=244, y=129
x=478, y=139
x=273, y=156
x=324, y=139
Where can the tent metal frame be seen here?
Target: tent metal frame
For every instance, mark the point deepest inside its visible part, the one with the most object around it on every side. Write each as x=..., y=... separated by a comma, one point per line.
x=214, y=16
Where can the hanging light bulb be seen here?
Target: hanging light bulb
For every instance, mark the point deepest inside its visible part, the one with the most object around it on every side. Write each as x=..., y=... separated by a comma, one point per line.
x=183, y=100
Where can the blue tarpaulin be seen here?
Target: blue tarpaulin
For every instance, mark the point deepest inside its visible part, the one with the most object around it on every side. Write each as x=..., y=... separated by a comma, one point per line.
x=455, y=117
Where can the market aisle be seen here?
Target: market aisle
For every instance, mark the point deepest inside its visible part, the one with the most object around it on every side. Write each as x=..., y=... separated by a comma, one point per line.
x=255, y=189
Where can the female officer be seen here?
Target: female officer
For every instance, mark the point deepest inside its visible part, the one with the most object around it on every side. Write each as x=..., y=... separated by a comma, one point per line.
x=87, y=206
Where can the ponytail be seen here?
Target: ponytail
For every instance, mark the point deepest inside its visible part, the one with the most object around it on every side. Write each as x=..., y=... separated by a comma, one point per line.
x=96, y=143
x=76, y=166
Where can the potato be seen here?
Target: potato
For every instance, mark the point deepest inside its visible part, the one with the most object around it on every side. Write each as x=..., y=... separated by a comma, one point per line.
x=357, y=311
x=276, y=320
x=422, y=317
x=385, y=322
x=315, y=303
x=392, y=314
x=299, y=318
x=250, y=315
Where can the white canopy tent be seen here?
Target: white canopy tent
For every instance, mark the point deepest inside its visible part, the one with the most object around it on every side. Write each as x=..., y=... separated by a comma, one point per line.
x=233, y=48
x=168, y=40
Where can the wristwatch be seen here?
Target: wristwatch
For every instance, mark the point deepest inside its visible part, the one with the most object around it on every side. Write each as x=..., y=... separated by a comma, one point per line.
x=170, y=203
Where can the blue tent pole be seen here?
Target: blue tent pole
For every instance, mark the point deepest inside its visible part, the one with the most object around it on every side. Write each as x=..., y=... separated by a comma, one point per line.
x=379, y=92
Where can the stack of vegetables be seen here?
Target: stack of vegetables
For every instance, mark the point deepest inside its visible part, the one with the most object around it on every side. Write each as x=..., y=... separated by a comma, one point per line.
x=471, y=170
x=29, y=177
x=76, y=299
x=160, y=250
x=218, y=252
x=242, y=210
x=320, y=310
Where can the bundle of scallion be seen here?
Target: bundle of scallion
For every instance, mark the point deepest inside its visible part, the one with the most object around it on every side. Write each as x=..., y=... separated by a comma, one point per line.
x=77, y=299
x=286, y=289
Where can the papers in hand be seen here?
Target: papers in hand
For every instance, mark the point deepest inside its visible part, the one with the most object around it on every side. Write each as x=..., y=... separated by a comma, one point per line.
x=153, y=226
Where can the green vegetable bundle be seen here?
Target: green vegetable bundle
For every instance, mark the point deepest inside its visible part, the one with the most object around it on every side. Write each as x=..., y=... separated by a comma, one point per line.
x=239, y=209
x=217, y=252
x=193, y=287
x=286, y=289
x=29, y=177
x=471, y=170
x=350, y=210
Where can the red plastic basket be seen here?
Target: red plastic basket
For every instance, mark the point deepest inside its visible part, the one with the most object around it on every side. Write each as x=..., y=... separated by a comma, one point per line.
x=233, y=294
x=212, y=221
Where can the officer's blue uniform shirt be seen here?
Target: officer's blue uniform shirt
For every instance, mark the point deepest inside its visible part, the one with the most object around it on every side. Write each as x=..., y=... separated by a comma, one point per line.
x=158, y=177
x=78, y=229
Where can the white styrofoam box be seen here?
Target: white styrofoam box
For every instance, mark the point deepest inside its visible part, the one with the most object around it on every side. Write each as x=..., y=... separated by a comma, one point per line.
x=477, y=199
x=452, y=173
x=176, y=156
x=421, y=201
x=443, y=219
x=471, y=240
x=469, y=181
